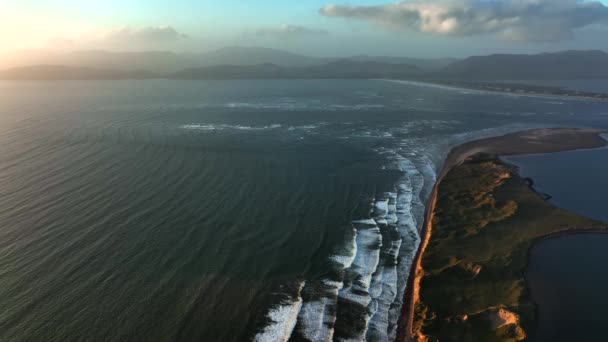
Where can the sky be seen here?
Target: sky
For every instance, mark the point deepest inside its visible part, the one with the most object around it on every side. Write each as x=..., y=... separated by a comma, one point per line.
x=415, y=28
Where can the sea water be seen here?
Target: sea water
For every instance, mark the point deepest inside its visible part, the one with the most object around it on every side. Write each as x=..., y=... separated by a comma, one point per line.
x=227, y=210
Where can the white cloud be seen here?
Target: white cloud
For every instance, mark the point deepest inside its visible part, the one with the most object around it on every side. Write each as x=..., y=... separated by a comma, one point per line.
x=150, y=34
x=523, y=20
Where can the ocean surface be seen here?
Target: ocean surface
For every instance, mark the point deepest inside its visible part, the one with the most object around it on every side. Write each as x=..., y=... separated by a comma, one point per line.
x=568, y=276
x=227, y=210
x=575, y=180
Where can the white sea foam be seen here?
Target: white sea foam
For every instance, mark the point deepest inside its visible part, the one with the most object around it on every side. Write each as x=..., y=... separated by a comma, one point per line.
x=317, y=317
x=284, y=318
x=220, y=127
x=357, y=107
x=303, y=127
x=296, y=105
x=200, y=127
x=316, y=320
x=383, y=289
x=372, y=266
x=345, y=258
x=374, y=274
x=381, y=208
x=369, y=241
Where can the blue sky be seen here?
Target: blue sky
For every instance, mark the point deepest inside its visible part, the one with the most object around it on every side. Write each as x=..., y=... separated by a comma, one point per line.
x=310, y=27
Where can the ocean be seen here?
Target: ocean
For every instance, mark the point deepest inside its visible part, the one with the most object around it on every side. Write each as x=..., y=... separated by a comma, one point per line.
x=227, y=210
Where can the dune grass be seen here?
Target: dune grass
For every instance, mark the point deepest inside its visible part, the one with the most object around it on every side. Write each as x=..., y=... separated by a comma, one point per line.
x=485, y=221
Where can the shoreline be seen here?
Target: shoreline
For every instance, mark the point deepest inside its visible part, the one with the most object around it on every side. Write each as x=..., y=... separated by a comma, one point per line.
x=484, y=88
x=537, y=141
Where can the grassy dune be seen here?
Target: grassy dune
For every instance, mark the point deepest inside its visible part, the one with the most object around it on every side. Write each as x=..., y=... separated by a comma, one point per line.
x=485, y=220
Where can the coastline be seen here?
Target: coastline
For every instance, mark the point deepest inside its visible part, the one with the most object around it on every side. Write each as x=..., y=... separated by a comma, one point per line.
x=535, y=141
x=508, y=89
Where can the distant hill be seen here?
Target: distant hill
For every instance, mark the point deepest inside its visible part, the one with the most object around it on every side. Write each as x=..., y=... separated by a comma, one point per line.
x=343, y=69
x=424, y=64
x=262, y=71
x=54, y=72
x=546, y=66
x=254, y=56
x=225, y=65
x=169, y=62
x=157, y=61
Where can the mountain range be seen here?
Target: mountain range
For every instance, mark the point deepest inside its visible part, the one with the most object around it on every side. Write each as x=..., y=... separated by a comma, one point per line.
x=262, y=63
x=170, y=62
x=558, y=66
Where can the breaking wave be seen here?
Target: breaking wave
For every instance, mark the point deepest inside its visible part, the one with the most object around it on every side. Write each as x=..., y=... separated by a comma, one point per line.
x=221, y=127
x=368, y=273
x=362, y=295
x=283, y=319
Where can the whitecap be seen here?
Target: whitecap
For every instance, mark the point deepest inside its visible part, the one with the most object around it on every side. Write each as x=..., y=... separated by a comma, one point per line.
x=284, y=318
x=220, y=127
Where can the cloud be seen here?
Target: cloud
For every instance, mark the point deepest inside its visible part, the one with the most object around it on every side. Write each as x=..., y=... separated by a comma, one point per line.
x=289, y=31
x=150, y=34
x=521, y=20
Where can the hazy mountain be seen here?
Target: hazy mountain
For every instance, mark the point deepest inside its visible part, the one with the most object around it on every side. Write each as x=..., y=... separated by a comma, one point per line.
x=54, y=72
x=168, y=62
x=256, y=55
x=360, y=69
x=224, y=65
x=261, y=71
x=338, y=69
x=159, y=61
x=425, y=64
x=560, y=65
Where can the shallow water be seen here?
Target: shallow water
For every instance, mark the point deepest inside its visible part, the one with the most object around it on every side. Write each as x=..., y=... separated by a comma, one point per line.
x=575, y=180
x=226, y=210
x=568, y=277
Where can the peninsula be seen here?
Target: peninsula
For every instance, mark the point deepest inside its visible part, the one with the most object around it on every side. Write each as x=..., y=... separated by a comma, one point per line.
x=522, y=89
x=467, y=282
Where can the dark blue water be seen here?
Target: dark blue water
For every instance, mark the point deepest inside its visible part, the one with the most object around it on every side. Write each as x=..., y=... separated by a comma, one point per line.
x=226, y=210
x=575, y=180
x=568, y=275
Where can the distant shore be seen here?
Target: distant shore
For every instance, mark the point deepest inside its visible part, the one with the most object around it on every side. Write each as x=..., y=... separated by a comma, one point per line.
x=516, y=89
x=526, y=142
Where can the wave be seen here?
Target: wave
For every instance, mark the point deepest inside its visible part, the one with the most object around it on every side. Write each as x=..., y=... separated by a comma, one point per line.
x=317, y=317
x=374, y=263
x=284, y=318
x=226, y=127
x=362, y=291
x=307, y=127
x=361, y=296
x=221, y=127
x=359, y=275
x=299, y=106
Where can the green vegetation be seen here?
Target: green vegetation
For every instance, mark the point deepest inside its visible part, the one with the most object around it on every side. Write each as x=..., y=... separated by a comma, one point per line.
x=486, y=219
